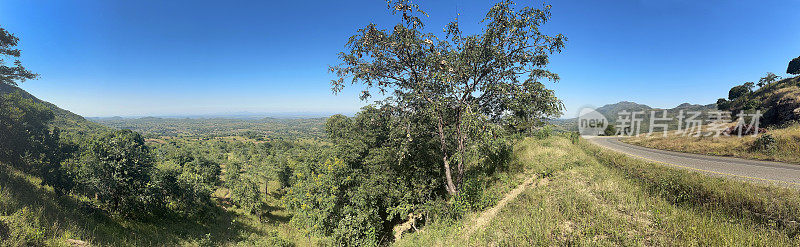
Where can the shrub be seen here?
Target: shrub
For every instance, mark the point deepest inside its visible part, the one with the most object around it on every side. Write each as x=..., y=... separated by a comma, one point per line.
x=610, y=130
x=765, y=143
x=751, y=104
x=245, y=194
x=544, y=132
x=723, y=104
x=23, y=228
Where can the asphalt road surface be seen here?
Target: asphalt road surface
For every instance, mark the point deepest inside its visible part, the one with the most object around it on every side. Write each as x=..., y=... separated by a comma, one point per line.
x=776, y=173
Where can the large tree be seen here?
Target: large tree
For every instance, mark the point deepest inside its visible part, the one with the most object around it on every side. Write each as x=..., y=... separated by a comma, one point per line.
x=12, y=75
x=462, y=81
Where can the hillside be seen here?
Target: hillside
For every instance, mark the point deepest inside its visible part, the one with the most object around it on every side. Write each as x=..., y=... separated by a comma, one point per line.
x=64, y=119
x=779, y=101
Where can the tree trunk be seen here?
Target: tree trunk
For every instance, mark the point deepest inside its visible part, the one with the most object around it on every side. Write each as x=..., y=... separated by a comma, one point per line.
x=461, y=137
x=451, y=188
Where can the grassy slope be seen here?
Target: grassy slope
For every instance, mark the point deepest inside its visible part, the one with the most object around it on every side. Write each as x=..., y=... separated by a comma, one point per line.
x=787, y=148
x=594, y=197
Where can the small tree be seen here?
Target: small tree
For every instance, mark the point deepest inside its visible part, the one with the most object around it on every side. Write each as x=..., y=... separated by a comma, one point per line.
x=610, y=130
x=794, y=67
x=768, y=79
x=119, y=171
x=12, y=75
x=722, y=104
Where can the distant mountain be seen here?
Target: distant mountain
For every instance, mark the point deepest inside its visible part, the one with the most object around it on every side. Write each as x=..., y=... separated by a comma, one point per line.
x=64, y=120
x=611, y=112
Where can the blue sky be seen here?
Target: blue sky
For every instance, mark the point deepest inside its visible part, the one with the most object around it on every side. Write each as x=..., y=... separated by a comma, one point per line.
x=137, y=58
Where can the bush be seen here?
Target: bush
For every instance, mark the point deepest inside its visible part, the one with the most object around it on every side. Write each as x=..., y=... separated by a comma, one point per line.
x=23, y=228
x=270, y=239
x=245, y=194
x=544, y=132
x=751, y=104
x=610, y=130
x=765, y=143
x=119, y=172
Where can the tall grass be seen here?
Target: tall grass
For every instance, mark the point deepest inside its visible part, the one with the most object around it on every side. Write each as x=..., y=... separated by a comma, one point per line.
x=769, y=205
x=594, y=197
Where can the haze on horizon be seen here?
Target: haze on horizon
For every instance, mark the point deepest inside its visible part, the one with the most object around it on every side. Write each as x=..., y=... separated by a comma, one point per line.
x=153, y=58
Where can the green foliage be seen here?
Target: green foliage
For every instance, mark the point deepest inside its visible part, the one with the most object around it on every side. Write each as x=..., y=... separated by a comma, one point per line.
x=751, y=104
x=722, y=104
x=794, y=66
x=768, y=79
x=271, y=239
x=739, y=91
x=544, y=132
x=29, y=144
x=264, y=129
x=333, y=199
x=12, y=75
x=575, y=137
x=118, y=172
x=244, y=190
x=23, y=228
x=459, y=82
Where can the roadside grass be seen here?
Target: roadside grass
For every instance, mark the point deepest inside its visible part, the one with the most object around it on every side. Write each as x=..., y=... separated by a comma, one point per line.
x=770, y=206
x=32, y=215
x=787, y=148
x=595, y=197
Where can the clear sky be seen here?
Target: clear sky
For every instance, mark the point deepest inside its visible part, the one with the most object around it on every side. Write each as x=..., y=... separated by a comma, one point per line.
x=136, y=58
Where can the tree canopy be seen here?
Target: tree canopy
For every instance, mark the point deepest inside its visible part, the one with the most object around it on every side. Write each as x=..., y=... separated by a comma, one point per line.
x=794, y=66
x=12, y=75
x=462, y=81
x=769, y=78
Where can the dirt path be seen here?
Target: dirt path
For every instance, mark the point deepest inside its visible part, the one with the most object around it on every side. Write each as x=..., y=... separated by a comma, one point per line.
x=489, y=214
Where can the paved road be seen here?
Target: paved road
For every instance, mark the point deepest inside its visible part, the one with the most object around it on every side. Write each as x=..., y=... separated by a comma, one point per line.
x=781, y=174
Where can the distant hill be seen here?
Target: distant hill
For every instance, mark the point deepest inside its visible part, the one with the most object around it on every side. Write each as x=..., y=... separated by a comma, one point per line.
x=269, y=128
x=64, y=120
